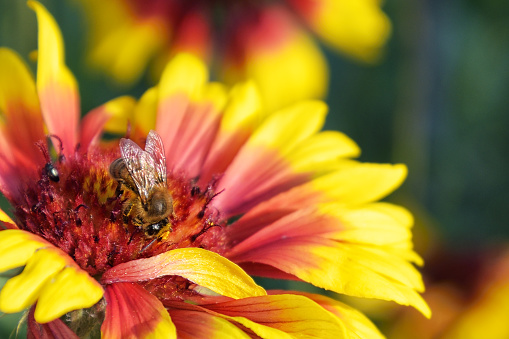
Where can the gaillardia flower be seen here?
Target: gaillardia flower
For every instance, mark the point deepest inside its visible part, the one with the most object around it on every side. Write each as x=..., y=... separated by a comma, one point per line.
x=267, y=41
x=207, y=192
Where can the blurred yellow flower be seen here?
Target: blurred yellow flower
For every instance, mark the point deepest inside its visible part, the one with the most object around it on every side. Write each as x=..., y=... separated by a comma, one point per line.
x=268, y=42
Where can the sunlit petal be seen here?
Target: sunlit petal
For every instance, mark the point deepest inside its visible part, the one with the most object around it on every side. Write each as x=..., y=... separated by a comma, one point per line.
x=201, y=325
x=357, y=325
x=71, y=289
x=202, y=267
x=282, y=316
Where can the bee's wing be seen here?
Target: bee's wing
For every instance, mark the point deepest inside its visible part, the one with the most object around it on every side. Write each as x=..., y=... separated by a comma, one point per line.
x=141, y=167
x=155, y=148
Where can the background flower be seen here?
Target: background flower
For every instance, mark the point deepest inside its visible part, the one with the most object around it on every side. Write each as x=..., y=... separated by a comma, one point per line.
x=269, y=42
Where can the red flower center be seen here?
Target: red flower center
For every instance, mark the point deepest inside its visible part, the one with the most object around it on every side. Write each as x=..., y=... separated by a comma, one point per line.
x=76, y=205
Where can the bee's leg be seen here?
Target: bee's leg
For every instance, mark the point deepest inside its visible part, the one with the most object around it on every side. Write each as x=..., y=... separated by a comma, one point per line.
x=127, y=211
x=137, y=221
x=119, y=190
x=118, y=193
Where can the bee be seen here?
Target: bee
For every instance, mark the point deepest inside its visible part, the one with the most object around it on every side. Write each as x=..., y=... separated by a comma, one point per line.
x=143, y=172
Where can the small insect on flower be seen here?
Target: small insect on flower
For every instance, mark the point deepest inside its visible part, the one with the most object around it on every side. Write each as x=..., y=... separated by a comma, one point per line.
x=51, y=172
x=143, y=172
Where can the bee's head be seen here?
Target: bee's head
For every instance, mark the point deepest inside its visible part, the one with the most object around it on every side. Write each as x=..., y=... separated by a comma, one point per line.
x=153, y=230
x=158, y=206
x=160, y=203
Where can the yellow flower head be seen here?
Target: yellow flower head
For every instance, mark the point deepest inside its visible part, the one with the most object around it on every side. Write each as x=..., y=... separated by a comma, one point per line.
x=158, y=234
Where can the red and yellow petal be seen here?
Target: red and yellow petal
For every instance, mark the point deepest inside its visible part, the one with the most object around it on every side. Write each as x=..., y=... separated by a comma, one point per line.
x=380, y=224
x=345, y=201
x=113, y=116
x=333, y=247
x=344, y=268
x=193, y=34
x=50, y=277
x=270, y=48
x=188, y=114
x=358, y=183
x=57, y=88
x=185, y=74
x=242, y=114
x=21, y=122
x=357, y=325
x=132, y=312
x=201, y=325
x=320, y=153
x=260, y=169
x=281, y=316
x=205, y=268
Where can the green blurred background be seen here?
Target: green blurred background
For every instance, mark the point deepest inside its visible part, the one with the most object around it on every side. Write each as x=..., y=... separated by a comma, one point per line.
x=437, y=102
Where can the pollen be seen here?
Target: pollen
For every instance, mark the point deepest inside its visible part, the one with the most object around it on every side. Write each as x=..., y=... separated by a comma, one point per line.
x=83, y=213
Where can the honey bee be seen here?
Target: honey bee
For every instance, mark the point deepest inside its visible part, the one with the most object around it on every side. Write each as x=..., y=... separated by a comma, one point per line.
x=144, y=173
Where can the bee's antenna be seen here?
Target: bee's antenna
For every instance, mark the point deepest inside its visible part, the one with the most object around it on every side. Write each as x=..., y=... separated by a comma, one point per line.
x=128, y=130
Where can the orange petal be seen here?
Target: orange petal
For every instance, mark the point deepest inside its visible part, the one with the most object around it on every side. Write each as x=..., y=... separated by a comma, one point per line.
x=132, y=312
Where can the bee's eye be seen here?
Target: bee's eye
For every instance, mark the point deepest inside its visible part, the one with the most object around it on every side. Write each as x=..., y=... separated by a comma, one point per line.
x=153, y=229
